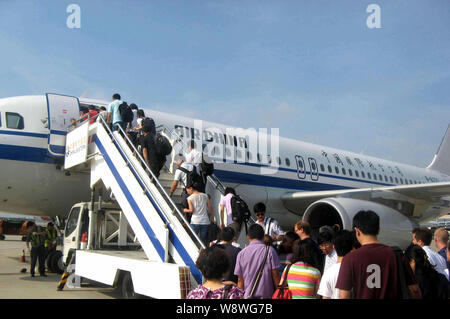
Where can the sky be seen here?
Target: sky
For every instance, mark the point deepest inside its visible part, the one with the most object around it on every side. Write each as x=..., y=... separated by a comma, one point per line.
x=312, y=68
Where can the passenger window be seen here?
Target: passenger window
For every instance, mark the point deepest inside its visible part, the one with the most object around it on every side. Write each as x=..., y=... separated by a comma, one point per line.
x=269, y=159
x=375, y=176
x=385, y=178
x=300, y=164
x=381, y=177
x=249, y=156
x=322, y=168
x=329, y=169
x=288, y=162
x=14, y=121
x=401, y=181
x=279, y=161
x=336, y=169
x=406, y=181
x=343, y=171
x=350, y=172
x=357, y=173
x=396, y=180
x=259, y=157
x=369, y=176
x=363, y=175
x=390, y=178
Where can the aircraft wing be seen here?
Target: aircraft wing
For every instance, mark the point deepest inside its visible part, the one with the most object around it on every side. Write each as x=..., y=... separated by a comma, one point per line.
x=427, y=191
x=418, y=194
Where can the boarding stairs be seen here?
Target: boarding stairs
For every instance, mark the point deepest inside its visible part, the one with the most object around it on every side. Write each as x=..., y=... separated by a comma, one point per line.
x=156, y=219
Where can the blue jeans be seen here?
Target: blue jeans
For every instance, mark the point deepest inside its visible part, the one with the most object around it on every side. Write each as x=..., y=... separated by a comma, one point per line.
x=201, y=231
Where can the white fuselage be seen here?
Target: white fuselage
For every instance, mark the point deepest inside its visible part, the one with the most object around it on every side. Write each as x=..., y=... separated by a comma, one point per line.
x=33, y=183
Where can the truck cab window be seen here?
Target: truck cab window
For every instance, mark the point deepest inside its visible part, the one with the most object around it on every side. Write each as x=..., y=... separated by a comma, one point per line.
x=14, y=121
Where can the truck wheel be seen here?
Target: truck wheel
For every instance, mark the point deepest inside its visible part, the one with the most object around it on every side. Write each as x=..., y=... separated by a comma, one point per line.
x=2, y=237
x=57, y=262
x=24, y=238
x=127, y=287
x=48, y=261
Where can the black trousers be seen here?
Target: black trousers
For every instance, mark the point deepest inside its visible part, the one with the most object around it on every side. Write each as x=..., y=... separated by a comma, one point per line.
x=38, y=254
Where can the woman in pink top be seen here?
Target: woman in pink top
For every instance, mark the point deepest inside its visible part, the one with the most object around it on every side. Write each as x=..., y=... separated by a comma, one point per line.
x=213, y=264
x=226, y=203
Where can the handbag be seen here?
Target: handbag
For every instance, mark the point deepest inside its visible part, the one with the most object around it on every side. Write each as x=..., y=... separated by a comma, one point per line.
x=282, y=291
x=258, y=275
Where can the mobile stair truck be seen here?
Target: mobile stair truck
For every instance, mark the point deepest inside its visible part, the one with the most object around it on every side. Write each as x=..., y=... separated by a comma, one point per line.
x=137, y=239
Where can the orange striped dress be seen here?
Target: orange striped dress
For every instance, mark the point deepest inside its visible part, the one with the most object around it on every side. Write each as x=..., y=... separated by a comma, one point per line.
x=303, y=280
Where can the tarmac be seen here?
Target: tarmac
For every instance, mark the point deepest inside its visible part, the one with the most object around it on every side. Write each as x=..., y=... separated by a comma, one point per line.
x=17, y=285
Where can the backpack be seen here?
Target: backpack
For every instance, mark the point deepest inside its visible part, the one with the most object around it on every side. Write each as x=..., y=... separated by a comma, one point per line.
x=193, y=177
x=402, y=288
x=239, y=209
x=126, y=113
x=150, y=124
x=206, y=166
x=162, y=145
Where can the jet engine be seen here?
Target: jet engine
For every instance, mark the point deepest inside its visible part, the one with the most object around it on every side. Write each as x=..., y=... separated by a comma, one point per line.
x=395, y=228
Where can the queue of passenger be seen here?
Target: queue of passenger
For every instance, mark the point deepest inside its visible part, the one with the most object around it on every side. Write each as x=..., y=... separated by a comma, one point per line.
x=341, y=265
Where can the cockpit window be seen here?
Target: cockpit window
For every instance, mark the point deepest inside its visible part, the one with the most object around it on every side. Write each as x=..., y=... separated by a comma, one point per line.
x=14, y=121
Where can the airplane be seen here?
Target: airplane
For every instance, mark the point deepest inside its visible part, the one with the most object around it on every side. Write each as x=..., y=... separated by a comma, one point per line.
x=296, y=180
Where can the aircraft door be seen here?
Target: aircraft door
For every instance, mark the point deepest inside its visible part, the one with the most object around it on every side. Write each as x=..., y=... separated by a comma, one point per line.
x=313, y=169
x=301, y=170
x=62, y=110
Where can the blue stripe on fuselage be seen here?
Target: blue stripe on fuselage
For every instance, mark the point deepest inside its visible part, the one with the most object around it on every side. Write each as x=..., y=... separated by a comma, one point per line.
x=35, y=154
x=25, y=153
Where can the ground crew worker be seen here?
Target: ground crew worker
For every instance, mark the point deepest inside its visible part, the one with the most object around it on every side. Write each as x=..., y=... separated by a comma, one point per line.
x=50, y=239
x=37, y=251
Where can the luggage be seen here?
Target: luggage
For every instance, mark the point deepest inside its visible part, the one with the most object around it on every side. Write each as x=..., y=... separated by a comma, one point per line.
x=239, y=209
x=125, y=112
x=162, y=145
x=193, y=177
x=207, y=167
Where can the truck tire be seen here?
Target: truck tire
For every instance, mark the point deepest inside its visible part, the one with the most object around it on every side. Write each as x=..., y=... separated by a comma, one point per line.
x=57, y=262
x=127, y=288
x=48, y=261
x=2, y=237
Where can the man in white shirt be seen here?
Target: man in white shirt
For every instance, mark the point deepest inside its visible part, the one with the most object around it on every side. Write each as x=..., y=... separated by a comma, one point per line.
x=325, y=241
x=193, y=157
x=181, y=176
x=269, y=224
x=422, y=236
x=343, y=244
